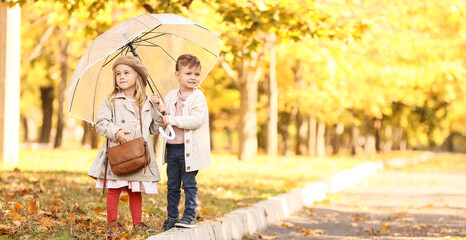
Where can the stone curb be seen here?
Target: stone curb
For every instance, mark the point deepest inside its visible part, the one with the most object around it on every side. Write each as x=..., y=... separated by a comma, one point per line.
x=249, y=220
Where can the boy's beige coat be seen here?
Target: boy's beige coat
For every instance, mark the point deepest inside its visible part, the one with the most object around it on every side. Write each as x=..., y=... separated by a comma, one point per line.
x=195, y=122
x=126, y=119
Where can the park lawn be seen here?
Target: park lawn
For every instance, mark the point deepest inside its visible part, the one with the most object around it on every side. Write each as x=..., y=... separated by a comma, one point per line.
x=49, y=194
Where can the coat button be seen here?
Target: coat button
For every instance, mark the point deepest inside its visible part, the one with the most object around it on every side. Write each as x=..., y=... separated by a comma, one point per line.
x=182, y=105
x=123, y=121
x=188, y=167
x=187, y=140
x=187, y=154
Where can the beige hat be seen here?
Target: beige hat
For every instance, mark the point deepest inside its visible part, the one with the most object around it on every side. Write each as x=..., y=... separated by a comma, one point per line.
x=135, y=63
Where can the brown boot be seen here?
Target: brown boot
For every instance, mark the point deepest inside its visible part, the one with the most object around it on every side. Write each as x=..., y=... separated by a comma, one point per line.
x=141, y=227
x=115, y=228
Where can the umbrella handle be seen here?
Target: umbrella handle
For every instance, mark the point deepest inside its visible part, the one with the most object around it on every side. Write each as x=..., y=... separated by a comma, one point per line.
x=170, y=129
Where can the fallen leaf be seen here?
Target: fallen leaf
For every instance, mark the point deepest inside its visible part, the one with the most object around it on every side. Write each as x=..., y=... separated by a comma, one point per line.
x=124, y=198
x=402, y=213
x=47, y=223
x=288, y=225
x=99, y=210
x=32, y=209
x=265, y=237
x=385, y=228
x=370, y=230
x=17, y=223
x=357, y=218
x=429, y=206
x=17, y=207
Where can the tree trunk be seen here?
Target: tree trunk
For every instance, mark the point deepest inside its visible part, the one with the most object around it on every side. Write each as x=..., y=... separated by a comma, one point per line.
x=355, y=146
x=248, y=117
x=284, y=143
x=321, y=139
x=312, y=136
x=46, y=96
x=64, y=67
x=94, y=138
x=272, y=105
x=378, y=141
x=24, y=121
x=369, y=143
x=302, y=134
x=86, y=133
x=211, y=130
x=337, y=138
x=397, y=133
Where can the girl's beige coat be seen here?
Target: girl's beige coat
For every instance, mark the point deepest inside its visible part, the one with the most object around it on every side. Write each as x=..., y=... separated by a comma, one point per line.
x=195, y=122
x=126, y=119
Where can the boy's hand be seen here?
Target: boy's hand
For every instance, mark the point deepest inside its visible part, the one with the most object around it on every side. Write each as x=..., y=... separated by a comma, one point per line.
x=165, y=120
x=120, y=136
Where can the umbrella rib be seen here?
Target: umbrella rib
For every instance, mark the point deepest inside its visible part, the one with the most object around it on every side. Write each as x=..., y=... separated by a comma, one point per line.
x=145, y=39
x=216, y=55
x=145, y=33
x=95, y=87
x=107, y=62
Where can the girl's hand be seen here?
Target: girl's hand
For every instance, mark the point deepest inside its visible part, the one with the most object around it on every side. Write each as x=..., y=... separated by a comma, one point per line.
x=120, y=136
x=155, y=99
x=162, y=109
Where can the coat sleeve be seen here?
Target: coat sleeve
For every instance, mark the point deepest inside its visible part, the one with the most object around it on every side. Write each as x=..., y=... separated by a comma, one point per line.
x=195, y=118
x=157, y=121
x=104, y=125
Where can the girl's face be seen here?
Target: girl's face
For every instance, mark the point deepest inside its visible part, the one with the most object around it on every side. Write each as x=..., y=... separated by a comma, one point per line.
x=188, y=77
x=125, y=77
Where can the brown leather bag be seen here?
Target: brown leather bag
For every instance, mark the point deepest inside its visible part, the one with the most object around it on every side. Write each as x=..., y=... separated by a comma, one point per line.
x=128, y=157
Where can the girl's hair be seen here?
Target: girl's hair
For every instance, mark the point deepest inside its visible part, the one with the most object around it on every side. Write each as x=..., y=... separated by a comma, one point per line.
x=139, y=92
x=187, y=60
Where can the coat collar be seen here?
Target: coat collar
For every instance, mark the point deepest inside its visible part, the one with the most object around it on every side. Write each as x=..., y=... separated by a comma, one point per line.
x=146, y=107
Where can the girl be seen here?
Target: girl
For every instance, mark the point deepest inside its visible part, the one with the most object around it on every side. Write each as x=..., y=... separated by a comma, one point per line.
x=118, y=121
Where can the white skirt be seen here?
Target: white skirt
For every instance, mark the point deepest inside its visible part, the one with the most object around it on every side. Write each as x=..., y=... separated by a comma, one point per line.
x=144, y=187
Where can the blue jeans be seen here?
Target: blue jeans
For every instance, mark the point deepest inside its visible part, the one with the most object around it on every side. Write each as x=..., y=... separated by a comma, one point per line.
x=177, y=174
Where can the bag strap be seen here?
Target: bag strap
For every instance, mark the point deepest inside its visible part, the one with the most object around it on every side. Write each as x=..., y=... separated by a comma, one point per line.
x=105, y=175
x=145, y=149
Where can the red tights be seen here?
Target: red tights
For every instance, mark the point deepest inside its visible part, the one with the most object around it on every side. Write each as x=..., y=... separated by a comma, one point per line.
x=135, y=204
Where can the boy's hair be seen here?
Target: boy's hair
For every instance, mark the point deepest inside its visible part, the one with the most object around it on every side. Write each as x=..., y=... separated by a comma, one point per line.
x=187, y=60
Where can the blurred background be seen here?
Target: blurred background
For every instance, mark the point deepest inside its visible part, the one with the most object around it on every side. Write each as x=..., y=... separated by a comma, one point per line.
x=312, y=78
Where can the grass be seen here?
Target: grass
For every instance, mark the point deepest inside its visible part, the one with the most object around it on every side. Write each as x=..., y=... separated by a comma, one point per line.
x=49, y=194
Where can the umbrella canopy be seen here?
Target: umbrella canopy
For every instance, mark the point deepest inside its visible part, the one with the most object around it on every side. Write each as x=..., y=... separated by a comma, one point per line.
x=158, y=39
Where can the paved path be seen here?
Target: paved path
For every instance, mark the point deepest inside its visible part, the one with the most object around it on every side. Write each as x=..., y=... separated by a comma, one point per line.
x=389, y=205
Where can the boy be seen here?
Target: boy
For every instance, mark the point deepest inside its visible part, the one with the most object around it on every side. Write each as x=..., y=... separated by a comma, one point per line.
x=187, y=112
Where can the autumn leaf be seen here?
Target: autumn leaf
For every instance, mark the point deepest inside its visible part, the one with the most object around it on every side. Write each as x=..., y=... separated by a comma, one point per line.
x=124, y=198
x=17, y=207
x=288, y=225
x=357, y=218
x=429, y=206
x=402, y=213
x=17, y=223
x=98, y=210
x=265, y=237
x=369, y=230
x=46, y=223
x=32, y=210
x=385, y=228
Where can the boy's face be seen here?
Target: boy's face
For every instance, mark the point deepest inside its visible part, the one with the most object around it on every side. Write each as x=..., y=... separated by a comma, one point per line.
x=188, y=77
